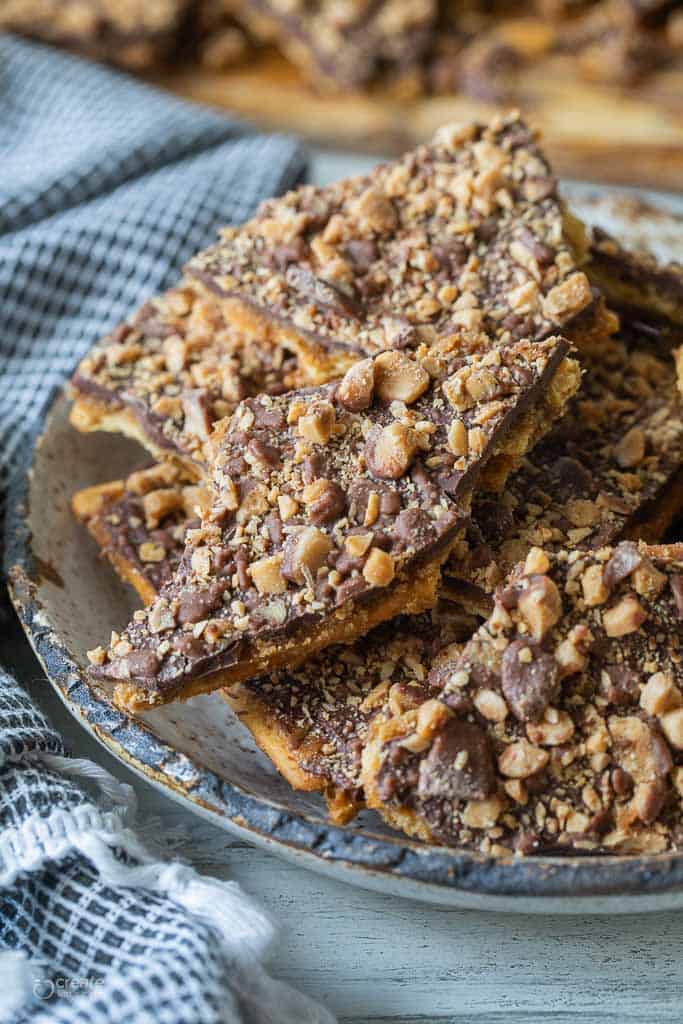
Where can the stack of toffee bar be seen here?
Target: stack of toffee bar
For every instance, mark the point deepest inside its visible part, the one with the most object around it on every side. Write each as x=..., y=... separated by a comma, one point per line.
x=411, y=478
x=411, y=46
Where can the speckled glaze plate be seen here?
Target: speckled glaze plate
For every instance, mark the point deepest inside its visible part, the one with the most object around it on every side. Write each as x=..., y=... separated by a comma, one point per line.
x=68, y=599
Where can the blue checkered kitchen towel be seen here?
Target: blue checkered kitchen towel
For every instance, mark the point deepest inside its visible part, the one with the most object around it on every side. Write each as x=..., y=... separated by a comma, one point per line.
x=106, y=188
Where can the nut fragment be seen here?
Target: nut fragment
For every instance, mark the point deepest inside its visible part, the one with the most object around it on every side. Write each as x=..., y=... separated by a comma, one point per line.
x=595, y=591
x=142, y=481
x=640, y=750
x=672, y=727
x=196, y=407
x=491, y=705
x=660, y=694
x=151, y=552
x=304, y=552
x=522, y=759
x=457, y=438
x=516, y=790
x=625, y=617
x=159, y=504
x=648, y=581
x=556, y=727
x=483, y=813
x=357, y=544
x=267, y=575
x=537, y=562
x=582, y=512
x=201, y=561
x=287, y=507
x=481, y=384
x=317, y=424
x=398, y=378
x=175, y=352
x=648, y=799
x=356, y=388
x=96, y=656
x=160, y=617
x=540, y=605
x=390, y=452
x=379, y=568
x=571, y=653
x=630, y=449
x=375, y=211
x=568, y=298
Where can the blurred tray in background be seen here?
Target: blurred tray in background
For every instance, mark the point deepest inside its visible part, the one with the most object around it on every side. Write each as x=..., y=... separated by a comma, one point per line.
x=591, y=130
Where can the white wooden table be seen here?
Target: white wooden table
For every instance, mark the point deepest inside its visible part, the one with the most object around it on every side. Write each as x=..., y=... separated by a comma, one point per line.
x=379, y=959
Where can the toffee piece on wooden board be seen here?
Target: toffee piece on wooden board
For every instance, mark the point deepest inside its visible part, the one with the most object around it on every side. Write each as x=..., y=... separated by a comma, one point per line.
x=140, y=523
x=168, y=373
x=135, y=34
x=560, y=726
x=342, y=46
x=464, y=238
x=612, y=467
x=333, y=510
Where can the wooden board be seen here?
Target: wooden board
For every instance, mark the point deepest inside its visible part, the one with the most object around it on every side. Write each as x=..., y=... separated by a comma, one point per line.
x=592, y=131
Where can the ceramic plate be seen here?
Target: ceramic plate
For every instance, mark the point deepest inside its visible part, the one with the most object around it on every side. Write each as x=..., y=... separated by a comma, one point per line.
x=68, y=600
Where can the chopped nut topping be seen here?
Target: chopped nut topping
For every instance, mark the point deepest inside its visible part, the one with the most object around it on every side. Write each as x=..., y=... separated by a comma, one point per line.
x=96, y=656
x=660, y=694
x=457, y=438
x=305, y=552
x=557, y=727
x=541, y=605
x=398, y=378
x=595, y=591
x=267, y=575
x=391, y=452
x=625, y=617
x=537, y=563
x=483, y=813
x=630, y=451
x=355, y=390
x=521, y=760
x=568, y=298
x=370, y=263
x=358, y=544
x=672, y=727
x=379, y=568
x=150, y=552
x=317, y=424
x=491, y=705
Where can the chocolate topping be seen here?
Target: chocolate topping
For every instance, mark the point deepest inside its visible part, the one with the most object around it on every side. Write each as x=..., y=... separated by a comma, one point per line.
x=459, y=765
x=530, y=679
